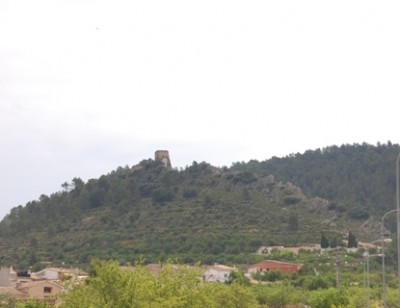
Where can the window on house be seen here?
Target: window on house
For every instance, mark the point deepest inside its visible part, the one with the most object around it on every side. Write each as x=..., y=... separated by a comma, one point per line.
x=47, y=290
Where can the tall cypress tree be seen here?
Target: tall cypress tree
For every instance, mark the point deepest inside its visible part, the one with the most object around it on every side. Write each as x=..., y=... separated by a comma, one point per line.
x=352, y=241
x=324, y=241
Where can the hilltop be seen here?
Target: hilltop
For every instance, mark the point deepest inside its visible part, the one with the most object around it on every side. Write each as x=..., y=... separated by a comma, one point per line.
x=203, y=213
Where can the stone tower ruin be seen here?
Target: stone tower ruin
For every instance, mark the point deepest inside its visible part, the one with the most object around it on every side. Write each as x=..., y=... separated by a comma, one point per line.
x=163, y=156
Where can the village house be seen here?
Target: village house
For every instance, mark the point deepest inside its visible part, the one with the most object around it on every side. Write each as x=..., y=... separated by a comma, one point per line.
x=270, y=265
x=42, y=285
x=52, y=273
x=13, y=292
x=218, y=273
x=39, y=289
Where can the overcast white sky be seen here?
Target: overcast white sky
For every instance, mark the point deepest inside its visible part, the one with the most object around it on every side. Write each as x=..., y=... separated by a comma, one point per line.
x=87, y=86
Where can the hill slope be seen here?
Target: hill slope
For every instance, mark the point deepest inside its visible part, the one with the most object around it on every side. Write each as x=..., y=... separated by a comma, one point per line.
x=201, y=213
x=359, y=178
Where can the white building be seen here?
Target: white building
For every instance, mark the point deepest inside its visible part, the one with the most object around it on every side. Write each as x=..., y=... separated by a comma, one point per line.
x=52, y=273
x=218, y=273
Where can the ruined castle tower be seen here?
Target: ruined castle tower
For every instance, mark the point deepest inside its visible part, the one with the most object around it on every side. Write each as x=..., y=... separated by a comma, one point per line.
x=163, y=156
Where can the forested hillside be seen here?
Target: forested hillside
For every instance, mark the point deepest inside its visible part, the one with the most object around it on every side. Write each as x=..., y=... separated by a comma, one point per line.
x=359, y=179
x=203, y=213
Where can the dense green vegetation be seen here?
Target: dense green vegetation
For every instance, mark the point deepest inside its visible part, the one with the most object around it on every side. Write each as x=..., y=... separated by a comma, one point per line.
x=203, y=213
x=112, y=286
x=360, y=179
x=9, y=301
x=332, y=278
